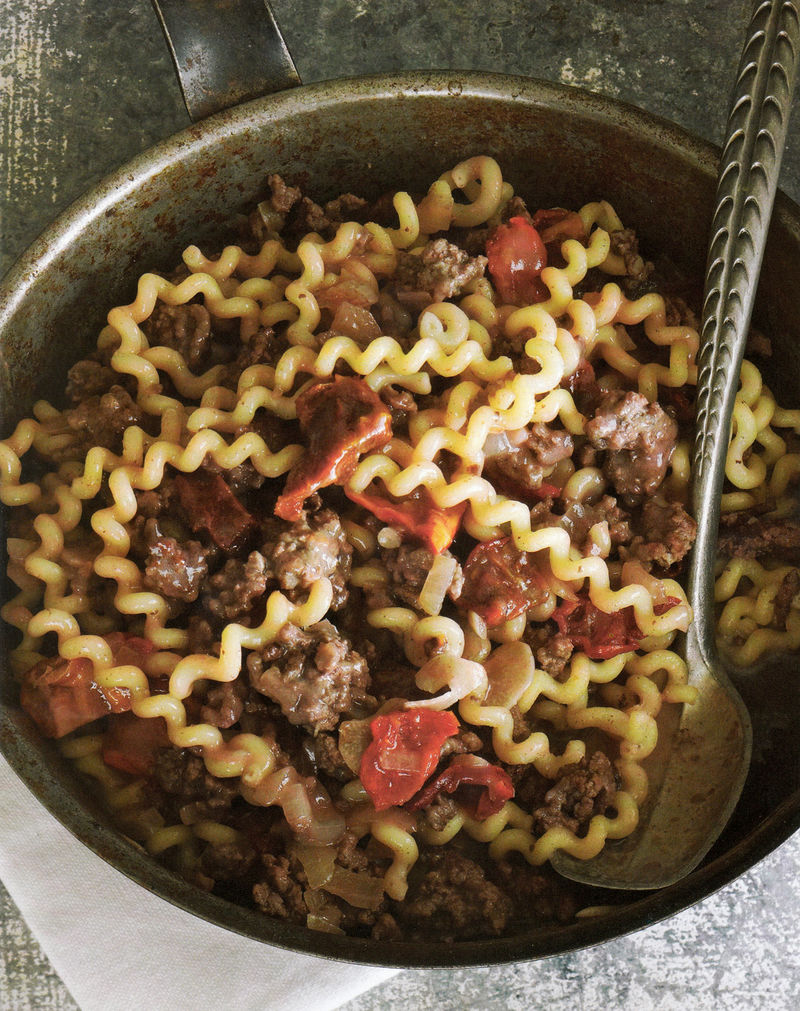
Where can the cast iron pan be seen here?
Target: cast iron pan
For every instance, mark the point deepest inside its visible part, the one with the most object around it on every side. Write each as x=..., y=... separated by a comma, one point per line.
x=558, y=146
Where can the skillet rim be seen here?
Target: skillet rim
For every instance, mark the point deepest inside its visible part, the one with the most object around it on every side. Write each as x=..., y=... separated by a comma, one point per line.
x=47, y=781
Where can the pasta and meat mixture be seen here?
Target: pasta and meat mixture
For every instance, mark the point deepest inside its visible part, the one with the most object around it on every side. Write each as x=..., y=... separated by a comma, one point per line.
x=350, y=571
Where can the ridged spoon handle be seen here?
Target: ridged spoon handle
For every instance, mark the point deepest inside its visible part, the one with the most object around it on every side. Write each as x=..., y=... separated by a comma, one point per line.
x=748, y=179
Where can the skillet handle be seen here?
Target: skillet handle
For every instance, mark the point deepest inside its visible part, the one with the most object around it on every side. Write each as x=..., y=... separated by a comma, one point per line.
x=225, y=52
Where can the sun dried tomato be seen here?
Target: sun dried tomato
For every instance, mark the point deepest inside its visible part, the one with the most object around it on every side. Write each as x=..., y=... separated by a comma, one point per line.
x=517, y=257
x=210, y=505
x=581, y=380
x=131, y=744
x=404, y=751
x=341, y=419
x=482, y=788
x=62, y=695
x=418, y=515
x=599, y=635
x=555, y=224
x=501, y=582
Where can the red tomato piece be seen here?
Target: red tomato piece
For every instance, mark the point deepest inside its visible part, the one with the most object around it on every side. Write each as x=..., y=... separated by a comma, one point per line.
x=341, y=419
x=501, y=582
x=403, y=753
x=599, y=635
x=129, y=649
x=418, y=515
x=210, y=505
x=482, y=789
x=62, y=695
x=131, y=744
x=517, y=257
x=665, y=605
x=555, y=224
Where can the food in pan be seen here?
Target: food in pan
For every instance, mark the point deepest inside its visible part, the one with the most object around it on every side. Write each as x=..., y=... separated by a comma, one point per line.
x=350, y=569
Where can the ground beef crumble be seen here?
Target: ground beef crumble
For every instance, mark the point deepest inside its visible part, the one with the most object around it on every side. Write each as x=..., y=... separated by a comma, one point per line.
x=668, y=533
x=439, y=272
x=639, y=439
x=450, y=896
x=313, y=674
x=235, y=588
x=744, y=535
x=407, y=567
x=312, y=548
x=581, y=791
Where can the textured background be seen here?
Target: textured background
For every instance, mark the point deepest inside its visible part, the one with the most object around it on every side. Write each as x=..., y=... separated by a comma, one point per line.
x=87, y=84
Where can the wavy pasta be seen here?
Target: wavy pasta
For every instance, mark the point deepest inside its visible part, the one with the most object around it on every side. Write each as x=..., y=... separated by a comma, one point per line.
x=348, y=574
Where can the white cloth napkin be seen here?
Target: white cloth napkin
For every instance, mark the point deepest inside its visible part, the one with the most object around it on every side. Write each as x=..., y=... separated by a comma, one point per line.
x=117, y=946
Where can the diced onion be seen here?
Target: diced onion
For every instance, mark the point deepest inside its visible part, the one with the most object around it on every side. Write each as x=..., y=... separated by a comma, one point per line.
x=323, y=914
x=464, y=677
x=314, y=922
x=318, y=862
x=361, y=890
x=354, y=739
x=437, y=583
x=504, y=442
x=296, y=807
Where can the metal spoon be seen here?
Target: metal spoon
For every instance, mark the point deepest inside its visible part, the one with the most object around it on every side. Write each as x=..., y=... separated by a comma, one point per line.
x=698, y=770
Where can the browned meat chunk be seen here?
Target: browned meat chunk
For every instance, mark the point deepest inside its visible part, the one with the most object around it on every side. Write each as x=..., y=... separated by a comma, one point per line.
x=537, y=892
x=224, y=704
x=556, y=653
x=407, y=568
x=440, y=271
x=313, y=675
x=394, y=681
x=639, y=438
x=668, y=533
x=625, y=244
x=584, y=790
x=264, y=347
x=312, y=548
x=680, y=313
x=328, y=758
x=228, y=861
x=439, y=812
x=787, y=591
x=450, y=896
x=102, y=420
x=236, y=587
x=190, y=790
x=579, y=518
x=279, y=893
x=519, y=469
x=88, y=378
x=283, y=197
x=173, y=568
x=743, y=535
x=186, y=328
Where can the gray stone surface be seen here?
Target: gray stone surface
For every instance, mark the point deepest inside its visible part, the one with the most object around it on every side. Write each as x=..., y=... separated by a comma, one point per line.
x=85, y=85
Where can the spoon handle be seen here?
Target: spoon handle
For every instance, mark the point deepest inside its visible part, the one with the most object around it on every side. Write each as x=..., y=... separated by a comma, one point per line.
x=748, y=180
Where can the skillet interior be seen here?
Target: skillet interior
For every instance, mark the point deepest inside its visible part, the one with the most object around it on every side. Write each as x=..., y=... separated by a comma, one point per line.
x=557, y=146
